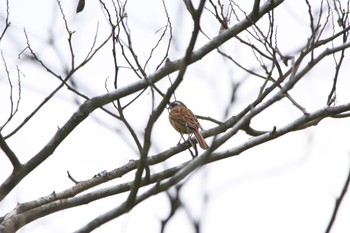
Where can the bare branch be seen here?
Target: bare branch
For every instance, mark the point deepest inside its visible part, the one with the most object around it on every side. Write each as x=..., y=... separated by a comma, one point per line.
x=155, y=114
x=72, y=179
x=272, y=81
x=160, y=39
x=338, y=203
x=255, y=11
x=49, y=204
x=70, y=34
x=7, y=20
x=13, y=107
x=9, y=153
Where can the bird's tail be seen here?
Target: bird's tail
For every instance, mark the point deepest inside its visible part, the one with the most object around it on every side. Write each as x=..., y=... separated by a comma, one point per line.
x=201, y=140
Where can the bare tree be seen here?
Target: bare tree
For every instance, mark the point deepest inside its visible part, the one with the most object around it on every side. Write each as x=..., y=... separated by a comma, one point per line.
x=121, y=78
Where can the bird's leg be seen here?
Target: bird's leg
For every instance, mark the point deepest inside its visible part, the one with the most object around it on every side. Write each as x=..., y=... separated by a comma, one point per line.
x=182, y=137
x=191, y=142
x=189, y=133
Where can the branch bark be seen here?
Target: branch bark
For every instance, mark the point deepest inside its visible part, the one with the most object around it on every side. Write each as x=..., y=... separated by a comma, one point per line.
x=90, y=105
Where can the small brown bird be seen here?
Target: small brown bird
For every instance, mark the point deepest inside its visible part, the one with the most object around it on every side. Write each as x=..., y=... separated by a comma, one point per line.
x=185, y=122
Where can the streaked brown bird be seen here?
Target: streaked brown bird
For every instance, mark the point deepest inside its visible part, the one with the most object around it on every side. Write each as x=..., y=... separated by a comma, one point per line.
x=185, y=122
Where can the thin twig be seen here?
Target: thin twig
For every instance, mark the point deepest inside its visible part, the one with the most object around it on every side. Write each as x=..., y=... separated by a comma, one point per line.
x=338, y=203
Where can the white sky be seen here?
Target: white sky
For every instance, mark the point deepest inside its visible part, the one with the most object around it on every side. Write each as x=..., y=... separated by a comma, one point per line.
x=287, y=185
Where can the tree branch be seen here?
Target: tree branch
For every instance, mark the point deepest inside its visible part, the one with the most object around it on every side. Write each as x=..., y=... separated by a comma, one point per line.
x=338, y=203
x=9, y=153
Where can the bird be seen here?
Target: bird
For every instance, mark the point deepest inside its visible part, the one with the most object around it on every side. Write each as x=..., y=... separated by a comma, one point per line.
x=185, y=122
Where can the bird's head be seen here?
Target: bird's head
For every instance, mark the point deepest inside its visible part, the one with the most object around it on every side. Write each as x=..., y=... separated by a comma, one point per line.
x=175, y=104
